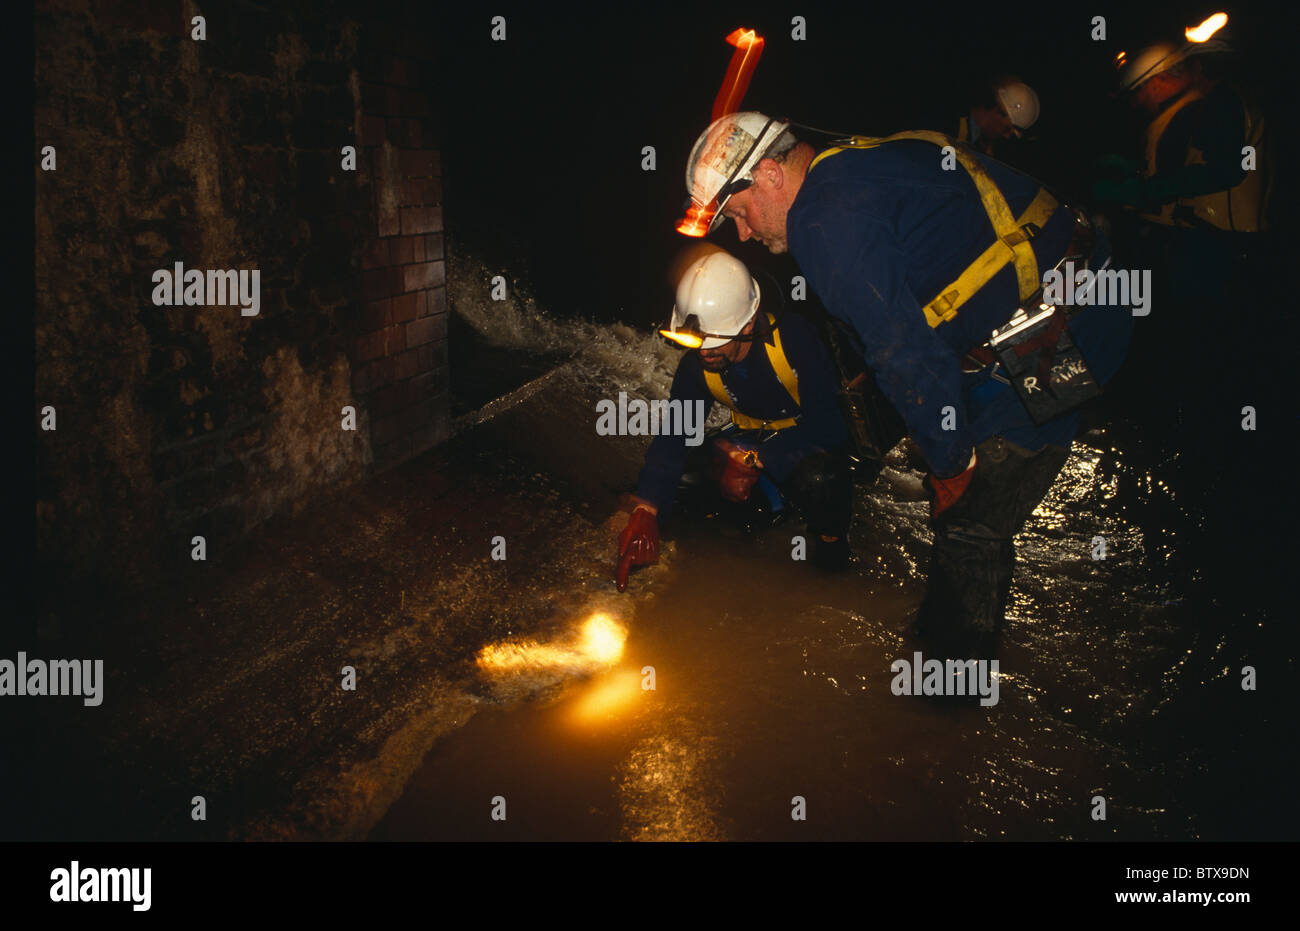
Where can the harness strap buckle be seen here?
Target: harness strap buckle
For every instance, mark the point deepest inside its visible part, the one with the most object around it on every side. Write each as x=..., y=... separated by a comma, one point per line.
x=944, y=302
x=1023, y=234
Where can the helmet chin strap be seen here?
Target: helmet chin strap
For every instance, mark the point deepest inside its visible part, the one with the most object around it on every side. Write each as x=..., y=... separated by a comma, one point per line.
x=749, y=337
x=753, y=335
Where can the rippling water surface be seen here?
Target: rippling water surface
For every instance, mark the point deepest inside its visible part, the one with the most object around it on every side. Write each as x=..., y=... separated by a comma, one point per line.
x=1119, y=678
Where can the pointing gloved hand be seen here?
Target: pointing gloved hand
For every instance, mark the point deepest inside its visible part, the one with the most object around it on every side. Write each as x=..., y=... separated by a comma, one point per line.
x=944, y=492
x=638, y=545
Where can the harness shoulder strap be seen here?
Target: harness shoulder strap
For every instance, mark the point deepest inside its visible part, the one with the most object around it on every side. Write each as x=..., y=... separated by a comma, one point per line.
x=1013, y=234
x=717, y=389
x=780, y=364
x=784, y=373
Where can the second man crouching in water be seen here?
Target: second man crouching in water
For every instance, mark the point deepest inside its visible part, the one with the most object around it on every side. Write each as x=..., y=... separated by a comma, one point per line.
x=779, y=381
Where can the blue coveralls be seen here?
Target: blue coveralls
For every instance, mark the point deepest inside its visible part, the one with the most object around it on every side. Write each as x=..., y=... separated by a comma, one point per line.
x=758, y=392
x=878, y=233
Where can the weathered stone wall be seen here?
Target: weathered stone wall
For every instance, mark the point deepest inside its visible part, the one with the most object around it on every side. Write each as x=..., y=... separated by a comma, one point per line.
x=226, y=153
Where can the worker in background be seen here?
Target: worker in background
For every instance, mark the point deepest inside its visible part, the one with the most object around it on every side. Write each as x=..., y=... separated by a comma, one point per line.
x=778, y=380
x=1192, y=210
x=1202, y=209
x=924, y=262
x=1003, y=111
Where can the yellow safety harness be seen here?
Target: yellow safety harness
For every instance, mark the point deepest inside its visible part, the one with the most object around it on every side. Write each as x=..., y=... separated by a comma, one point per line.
x=781, y=366
x=1013, y=233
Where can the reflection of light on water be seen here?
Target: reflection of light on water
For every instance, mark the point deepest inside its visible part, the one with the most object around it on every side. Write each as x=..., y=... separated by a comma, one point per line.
x=606, y=698
x=1074, y=482
x=597, y=644
x=602, y=638
x=668, y=790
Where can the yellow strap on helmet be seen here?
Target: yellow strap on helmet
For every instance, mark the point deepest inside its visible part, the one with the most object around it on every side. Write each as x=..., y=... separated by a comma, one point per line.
x=1013, y=233
x=786, y=375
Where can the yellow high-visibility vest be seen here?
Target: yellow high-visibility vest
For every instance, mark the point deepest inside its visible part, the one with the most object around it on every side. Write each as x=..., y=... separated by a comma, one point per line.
x=1239, y=209
x=1013, y=233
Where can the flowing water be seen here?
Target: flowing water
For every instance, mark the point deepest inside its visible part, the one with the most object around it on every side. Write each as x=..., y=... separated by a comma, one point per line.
x=750, y=685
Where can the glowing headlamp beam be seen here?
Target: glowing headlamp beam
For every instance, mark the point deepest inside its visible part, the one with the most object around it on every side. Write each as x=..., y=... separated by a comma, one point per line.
x=749, y=48
x=598, y=643
x=1206, y=29
x=696, y=222
x=689, y=340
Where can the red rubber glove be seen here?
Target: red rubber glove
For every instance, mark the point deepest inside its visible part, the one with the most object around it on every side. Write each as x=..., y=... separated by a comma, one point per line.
x=638, y=545
x=944, y=492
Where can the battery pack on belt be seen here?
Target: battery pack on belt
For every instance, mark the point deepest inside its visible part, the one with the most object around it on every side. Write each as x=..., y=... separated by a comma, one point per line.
x=1043, y=363
x=1036, y=351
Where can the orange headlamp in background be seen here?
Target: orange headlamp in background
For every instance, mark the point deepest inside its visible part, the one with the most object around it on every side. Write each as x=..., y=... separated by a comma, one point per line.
x=1203, y=32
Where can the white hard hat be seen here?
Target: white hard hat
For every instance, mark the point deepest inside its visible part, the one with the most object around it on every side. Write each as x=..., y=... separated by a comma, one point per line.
x=725, y=155
x=716, y=297
x=1146, y=64
x=1152, y=60
x=1020, y=103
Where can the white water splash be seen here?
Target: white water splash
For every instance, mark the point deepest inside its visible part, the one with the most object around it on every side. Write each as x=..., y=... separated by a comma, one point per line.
x=638, y=361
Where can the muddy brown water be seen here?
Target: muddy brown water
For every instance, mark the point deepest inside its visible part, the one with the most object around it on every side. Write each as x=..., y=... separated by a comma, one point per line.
x=1120, y=678
x=772, y=681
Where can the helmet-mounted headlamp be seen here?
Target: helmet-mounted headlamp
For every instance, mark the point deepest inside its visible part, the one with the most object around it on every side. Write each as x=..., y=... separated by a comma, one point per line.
x=690, y=335
x=702, y=217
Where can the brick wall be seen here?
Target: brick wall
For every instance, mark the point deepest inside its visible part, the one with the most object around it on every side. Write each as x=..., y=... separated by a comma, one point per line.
x=400, y=354
x=226, y=154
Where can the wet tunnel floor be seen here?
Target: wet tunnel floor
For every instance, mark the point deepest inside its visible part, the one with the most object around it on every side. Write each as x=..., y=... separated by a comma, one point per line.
x=748, y=710
x=1119, y=677
x=772, y=681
